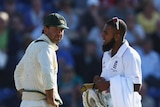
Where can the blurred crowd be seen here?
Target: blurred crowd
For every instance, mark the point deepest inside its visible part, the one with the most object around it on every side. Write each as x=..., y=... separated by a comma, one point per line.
x=79, y=55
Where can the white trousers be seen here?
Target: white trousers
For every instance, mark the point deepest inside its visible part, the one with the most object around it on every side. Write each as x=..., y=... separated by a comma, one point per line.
x=38, y=103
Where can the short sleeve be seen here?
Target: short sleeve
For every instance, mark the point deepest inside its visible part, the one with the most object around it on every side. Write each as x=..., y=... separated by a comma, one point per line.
x=132, y=66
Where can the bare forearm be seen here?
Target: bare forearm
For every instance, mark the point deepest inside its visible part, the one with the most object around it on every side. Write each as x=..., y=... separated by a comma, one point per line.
x=20, y=92
x=50, y=97
x=137, y=87
x=100, y=83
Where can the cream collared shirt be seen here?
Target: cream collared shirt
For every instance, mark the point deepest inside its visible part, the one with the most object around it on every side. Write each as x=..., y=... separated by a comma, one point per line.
x=37, y=70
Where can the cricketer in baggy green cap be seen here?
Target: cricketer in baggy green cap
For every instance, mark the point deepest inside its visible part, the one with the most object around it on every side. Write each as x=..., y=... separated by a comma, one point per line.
x=56, y=20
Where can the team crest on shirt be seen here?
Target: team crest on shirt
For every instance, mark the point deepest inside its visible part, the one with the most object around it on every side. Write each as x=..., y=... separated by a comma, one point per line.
x=115, y=66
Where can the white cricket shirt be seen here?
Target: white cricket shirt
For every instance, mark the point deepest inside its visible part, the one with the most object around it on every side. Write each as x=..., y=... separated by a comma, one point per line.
x=126, y=62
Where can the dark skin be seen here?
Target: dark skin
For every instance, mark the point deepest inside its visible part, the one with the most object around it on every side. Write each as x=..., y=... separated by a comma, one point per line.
x=108, y=33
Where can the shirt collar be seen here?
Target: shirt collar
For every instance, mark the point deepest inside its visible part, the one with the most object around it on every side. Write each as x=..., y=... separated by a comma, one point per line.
x=121, y=50
x=46, y=39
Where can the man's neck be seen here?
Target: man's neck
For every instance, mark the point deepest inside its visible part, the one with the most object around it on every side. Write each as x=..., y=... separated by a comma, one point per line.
x=116, y=48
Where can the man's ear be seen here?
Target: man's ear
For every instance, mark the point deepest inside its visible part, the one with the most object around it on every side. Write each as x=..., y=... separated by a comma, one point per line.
x=117, y=36
x=118, y=31
x=45, y=29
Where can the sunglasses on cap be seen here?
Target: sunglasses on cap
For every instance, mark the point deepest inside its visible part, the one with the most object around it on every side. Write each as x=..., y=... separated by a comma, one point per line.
x=116, y=21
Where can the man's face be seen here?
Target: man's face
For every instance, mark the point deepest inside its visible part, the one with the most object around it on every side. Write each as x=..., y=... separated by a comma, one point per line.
x=108, y=37
x=55, y=34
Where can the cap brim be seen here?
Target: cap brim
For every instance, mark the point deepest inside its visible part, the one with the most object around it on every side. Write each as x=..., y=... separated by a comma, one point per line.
x=63, y=26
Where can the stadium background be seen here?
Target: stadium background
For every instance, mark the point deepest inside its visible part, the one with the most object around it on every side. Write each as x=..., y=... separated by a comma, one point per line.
x=80, y=53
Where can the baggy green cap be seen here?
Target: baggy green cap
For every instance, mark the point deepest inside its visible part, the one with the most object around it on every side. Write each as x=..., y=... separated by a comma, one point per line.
x=56, y=20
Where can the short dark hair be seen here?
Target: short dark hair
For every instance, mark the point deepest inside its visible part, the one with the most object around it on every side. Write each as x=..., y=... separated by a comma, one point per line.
x=122, y=25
